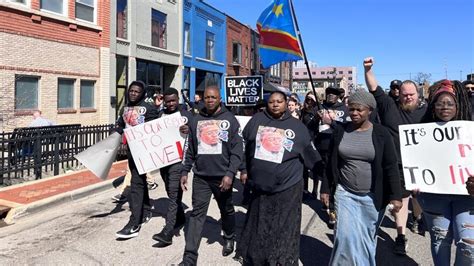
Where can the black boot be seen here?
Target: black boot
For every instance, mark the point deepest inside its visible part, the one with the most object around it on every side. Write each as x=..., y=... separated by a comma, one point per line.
x=228, y=247
x=164, y=239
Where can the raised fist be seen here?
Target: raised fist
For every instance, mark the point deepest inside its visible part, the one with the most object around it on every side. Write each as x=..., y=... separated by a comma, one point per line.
x=368, y=62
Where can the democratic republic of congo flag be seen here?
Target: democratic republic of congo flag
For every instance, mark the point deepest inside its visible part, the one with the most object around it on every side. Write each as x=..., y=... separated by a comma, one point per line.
x=278, y=40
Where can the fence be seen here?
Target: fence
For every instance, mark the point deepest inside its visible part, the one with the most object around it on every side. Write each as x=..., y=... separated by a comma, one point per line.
x=30, y=152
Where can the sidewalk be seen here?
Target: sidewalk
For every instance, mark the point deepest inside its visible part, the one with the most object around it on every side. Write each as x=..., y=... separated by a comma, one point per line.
x=34, y=196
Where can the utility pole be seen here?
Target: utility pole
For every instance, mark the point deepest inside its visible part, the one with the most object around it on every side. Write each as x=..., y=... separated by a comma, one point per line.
x=460, y=75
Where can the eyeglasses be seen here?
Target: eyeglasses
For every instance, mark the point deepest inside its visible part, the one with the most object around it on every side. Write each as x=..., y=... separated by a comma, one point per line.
x=445, y=104
x=470, y=88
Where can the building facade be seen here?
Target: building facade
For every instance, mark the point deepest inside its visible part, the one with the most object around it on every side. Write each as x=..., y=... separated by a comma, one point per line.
x=342, y=77
x=204, y=47
x=146, y=43
x=55, y=58
x=239, y=48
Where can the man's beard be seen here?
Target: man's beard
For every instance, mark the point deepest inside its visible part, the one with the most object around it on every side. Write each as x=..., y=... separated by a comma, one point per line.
x=409, y=107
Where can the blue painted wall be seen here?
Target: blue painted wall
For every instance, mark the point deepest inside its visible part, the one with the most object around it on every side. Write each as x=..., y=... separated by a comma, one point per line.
x=204, y=18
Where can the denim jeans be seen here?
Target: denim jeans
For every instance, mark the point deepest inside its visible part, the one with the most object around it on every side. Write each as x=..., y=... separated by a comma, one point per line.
x=356, y=229
x=449, y=217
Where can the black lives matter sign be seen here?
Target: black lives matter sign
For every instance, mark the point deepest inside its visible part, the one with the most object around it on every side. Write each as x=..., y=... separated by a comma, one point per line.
x=243, y=91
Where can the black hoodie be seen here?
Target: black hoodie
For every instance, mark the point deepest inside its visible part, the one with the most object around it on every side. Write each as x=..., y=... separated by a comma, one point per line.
x=138, y=112
x=214, y=145
x=282, y=167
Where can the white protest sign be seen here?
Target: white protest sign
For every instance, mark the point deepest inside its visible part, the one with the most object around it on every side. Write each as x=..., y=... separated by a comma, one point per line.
x=243, y=120
x=157, y=143
x=438, y=157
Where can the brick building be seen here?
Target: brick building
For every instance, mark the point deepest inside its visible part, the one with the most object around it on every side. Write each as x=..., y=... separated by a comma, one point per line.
x=55, y=58
x=239, y=45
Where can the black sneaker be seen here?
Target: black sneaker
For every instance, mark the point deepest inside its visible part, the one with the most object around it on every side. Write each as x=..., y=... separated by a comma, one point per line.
x=152, y=186
x=164, y=239
x=147, y=217
x=401, y=245
x=129, y=231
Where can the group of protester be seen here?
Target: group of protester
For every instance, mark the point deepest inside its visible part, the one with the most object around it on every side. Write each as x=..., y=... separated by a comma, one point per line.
x=350, y=144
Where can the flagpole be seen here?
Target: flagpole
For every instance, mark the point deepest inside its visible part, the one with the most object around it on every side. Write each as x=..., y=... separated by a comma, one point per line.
x=304, y=54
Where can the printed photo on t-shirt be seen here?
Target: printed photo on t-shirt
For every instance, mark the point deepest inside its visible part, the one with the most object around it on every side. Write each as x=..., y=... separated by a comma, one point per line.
x=270, y=144
x=210, y=136
x=134, y=115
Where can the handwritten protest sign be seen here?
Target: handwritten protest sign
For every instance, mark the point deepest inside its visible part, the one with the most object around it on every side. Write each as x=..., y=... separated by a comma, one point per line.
x=438, y=157
x=157, y=143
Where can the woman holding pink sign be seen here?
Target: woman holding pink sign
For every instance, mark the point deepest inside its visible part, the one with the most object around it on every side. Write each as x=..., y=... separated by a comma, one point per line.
x=449, y=217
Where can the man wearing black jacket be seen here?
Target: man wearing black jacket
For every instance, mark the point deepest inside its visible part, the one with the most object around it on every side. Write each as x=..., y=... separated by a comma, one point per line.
x=136, y=112
x=408, y=110
x=171, y=174
x=214, y=147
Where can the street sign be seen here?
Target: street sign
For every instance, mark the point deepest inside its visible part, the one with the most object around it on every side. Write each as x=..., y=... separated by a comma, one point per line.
x=243, y=90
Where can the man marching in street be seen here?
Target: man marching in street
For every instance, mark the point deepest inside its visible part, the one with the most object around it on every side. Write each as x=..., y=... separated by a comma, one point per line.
x=136, y=112
x=214, y=150
x=171, y=174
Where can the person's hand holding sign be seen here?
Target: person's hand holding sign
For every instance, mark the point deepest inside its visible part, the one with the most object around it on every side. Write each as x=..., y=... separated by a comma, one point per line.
x=184, y=129
x=470, y=185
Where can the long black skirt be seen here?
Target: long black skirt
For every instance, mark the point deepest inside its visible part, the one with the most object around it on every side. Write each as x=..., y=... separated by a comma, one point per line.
x=271, y=234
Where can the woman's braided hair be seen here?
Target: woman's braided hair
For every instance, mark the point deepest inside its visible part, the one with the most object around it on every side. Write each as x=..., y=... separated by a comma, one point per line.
x=463, y=104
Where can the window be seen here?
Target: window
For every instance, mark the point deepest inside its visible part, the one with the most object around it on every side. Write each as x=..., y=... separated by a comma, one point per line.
x=236, y=53
x=122, y=19
x=305, y=73
x=210, y=42
x=350, y=78
x=26, y=92
x=187, y=38
x=24, y=2
x=322, y=72
x=297, y=73
x=56, y=6
x=158, y=29
x=350, y=72
x=65, y=93
x=340, y=72
x=314, y=73
x=150, y=72
x=87, y=93
x=85, y=10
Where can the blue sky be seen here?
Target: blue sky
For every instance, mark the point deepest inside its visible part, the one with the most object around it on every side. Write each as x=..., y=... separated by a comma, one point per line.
x=403, y=36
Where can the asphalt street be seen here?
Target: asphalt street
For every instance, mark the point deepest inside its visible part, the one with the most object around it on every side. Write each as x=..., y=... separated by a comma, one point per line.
x=83, y=232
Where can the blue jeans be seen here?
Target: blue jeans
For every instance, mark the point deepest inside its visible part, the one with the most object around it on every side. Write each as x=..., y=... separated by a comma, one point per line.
x=449, y=217
x=356, y=229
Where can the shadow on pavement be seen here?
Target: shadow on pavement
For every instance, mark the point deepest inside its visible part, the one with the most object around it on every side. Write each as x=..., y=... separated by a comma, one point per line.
x=313, y=251
x=118, y=208
x=385, y=255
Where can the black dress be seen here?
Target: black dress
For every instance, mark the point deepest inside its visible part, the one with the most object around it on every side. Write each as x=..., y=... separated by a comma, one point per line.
x=271, y=234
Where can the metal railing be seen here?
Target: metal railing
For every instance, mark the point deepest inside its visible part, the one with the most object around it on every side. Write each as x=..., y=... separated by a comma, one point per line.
x=31, y=152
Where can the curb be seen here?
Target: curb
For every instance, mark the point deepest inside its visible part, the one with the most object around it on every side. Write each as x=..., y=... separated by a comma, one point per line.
x=37, y=206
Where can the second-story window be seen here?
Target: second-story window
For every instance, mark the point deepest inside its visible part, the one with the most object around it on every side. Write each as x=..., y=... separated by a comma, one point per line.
x=210, y=42
x=187, y=38
x=236, y=53
x=122, y=19
x=85, y=10
x=158, y=29
x=56, y=6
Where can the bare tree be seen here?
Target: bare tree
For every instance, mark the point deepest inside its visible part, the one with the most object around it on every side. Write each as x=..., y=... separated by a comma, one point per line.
x=422, y=78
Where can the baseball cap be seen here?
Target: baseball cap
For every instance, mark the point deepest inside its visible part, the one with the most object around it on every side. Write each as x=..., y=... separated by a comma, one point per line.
x=396, y=83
